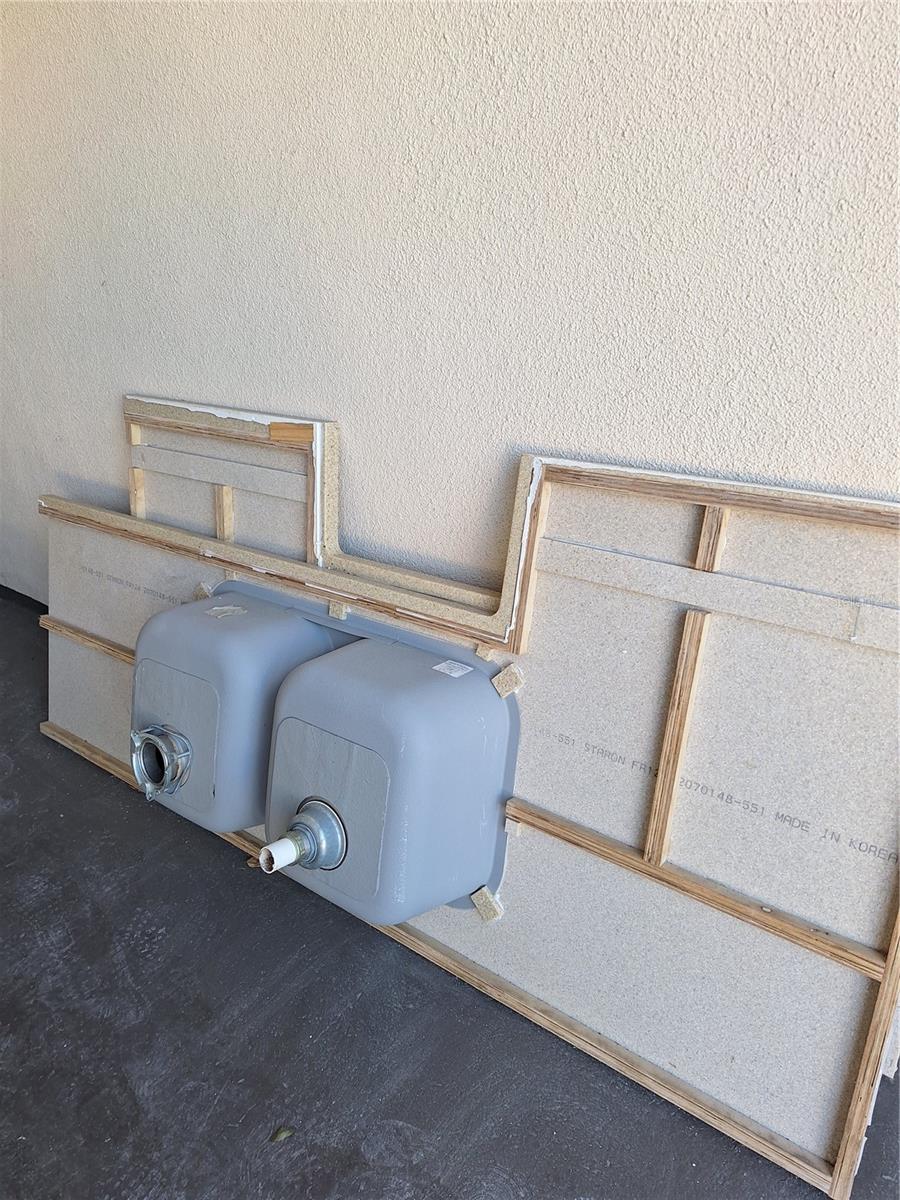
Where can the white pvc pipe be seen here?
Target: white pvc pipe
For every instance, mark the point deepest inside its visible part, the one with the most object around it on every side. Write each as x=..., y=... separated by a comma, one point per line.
x=278, y=854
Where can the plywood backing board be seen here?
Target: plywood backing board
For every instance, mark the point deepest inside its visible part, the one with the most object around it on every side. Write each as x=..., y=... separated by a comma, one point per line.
x=764, y=1027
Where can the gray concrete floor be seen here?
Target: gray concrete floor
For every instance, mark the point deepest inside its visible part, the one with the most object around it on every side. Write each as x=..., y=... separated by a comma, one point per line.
x=165, y=1009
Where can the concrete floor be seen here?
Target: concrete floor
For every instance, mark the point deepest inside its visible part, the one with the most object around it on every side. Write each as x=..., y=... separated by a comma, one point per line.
x=165, y=1009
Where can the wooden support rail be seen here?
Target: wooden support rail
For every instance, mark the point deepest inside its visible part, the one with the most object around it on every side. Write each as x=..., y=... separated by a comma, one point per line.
x=848, y=953
x=712, y=538
x=74, y=634
x=681, y=703
x=451, y=617
x=694, y=489
x=859, y=1113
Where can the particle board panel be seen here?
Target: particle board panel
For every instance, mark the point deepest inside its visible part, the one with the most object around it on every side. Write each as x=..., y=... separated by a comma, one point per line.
x=270, y=523
x=109, y=587
x=794, y=802
x=660, y=529
x=187, y=503
x=593, y=707
x=288, y=484
x=762, y=1026
x=80, y=673
x=844, y=951
x=846, y=620
x=818, y=556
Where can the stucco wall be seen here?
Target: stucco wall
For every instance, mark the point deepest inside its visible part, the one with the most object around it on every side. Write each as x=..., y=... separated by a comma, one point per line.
x=640, y=233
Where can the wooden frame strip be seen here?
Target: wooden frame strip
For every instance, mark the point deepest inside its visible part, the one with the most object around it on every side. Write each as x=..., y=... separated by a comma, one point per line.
x=291, y=433
x=74, y=634
x=477, y=598
x=711, y=544
x=697, y=489
x=245, y=477
x=859, y=623
x=224, y=502
x=93, y=754
x=858, y=957
x=244, y=841
x=862, y=1100
x=261, y=566
x=137, y=501
x=681, y=703
x=178, y=417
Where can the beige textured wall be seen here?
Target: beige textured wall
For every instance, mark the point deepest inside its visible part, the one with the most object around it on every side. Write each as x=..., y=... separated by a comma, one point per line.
x=644, y=233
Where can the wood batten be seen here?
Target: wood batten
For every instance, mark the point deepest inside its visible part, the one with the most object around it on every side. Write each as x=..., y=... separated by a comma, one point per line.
x=244, y=841
x=862, y=1099
x=93, y=754
x=711, y=543
x=681, y=703
x=454, y=619
x=484, y=600
x=692, y=489
x=149, y=413
x=224, y=502
x=93, y=640
x=137, y=500
x=848, y=953
x=290, y=433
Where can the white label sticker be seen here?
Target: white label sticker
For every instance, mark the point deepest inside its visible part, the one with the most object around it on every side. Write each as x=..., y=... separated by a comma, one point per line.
x=225, y=610
x=452, y=668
